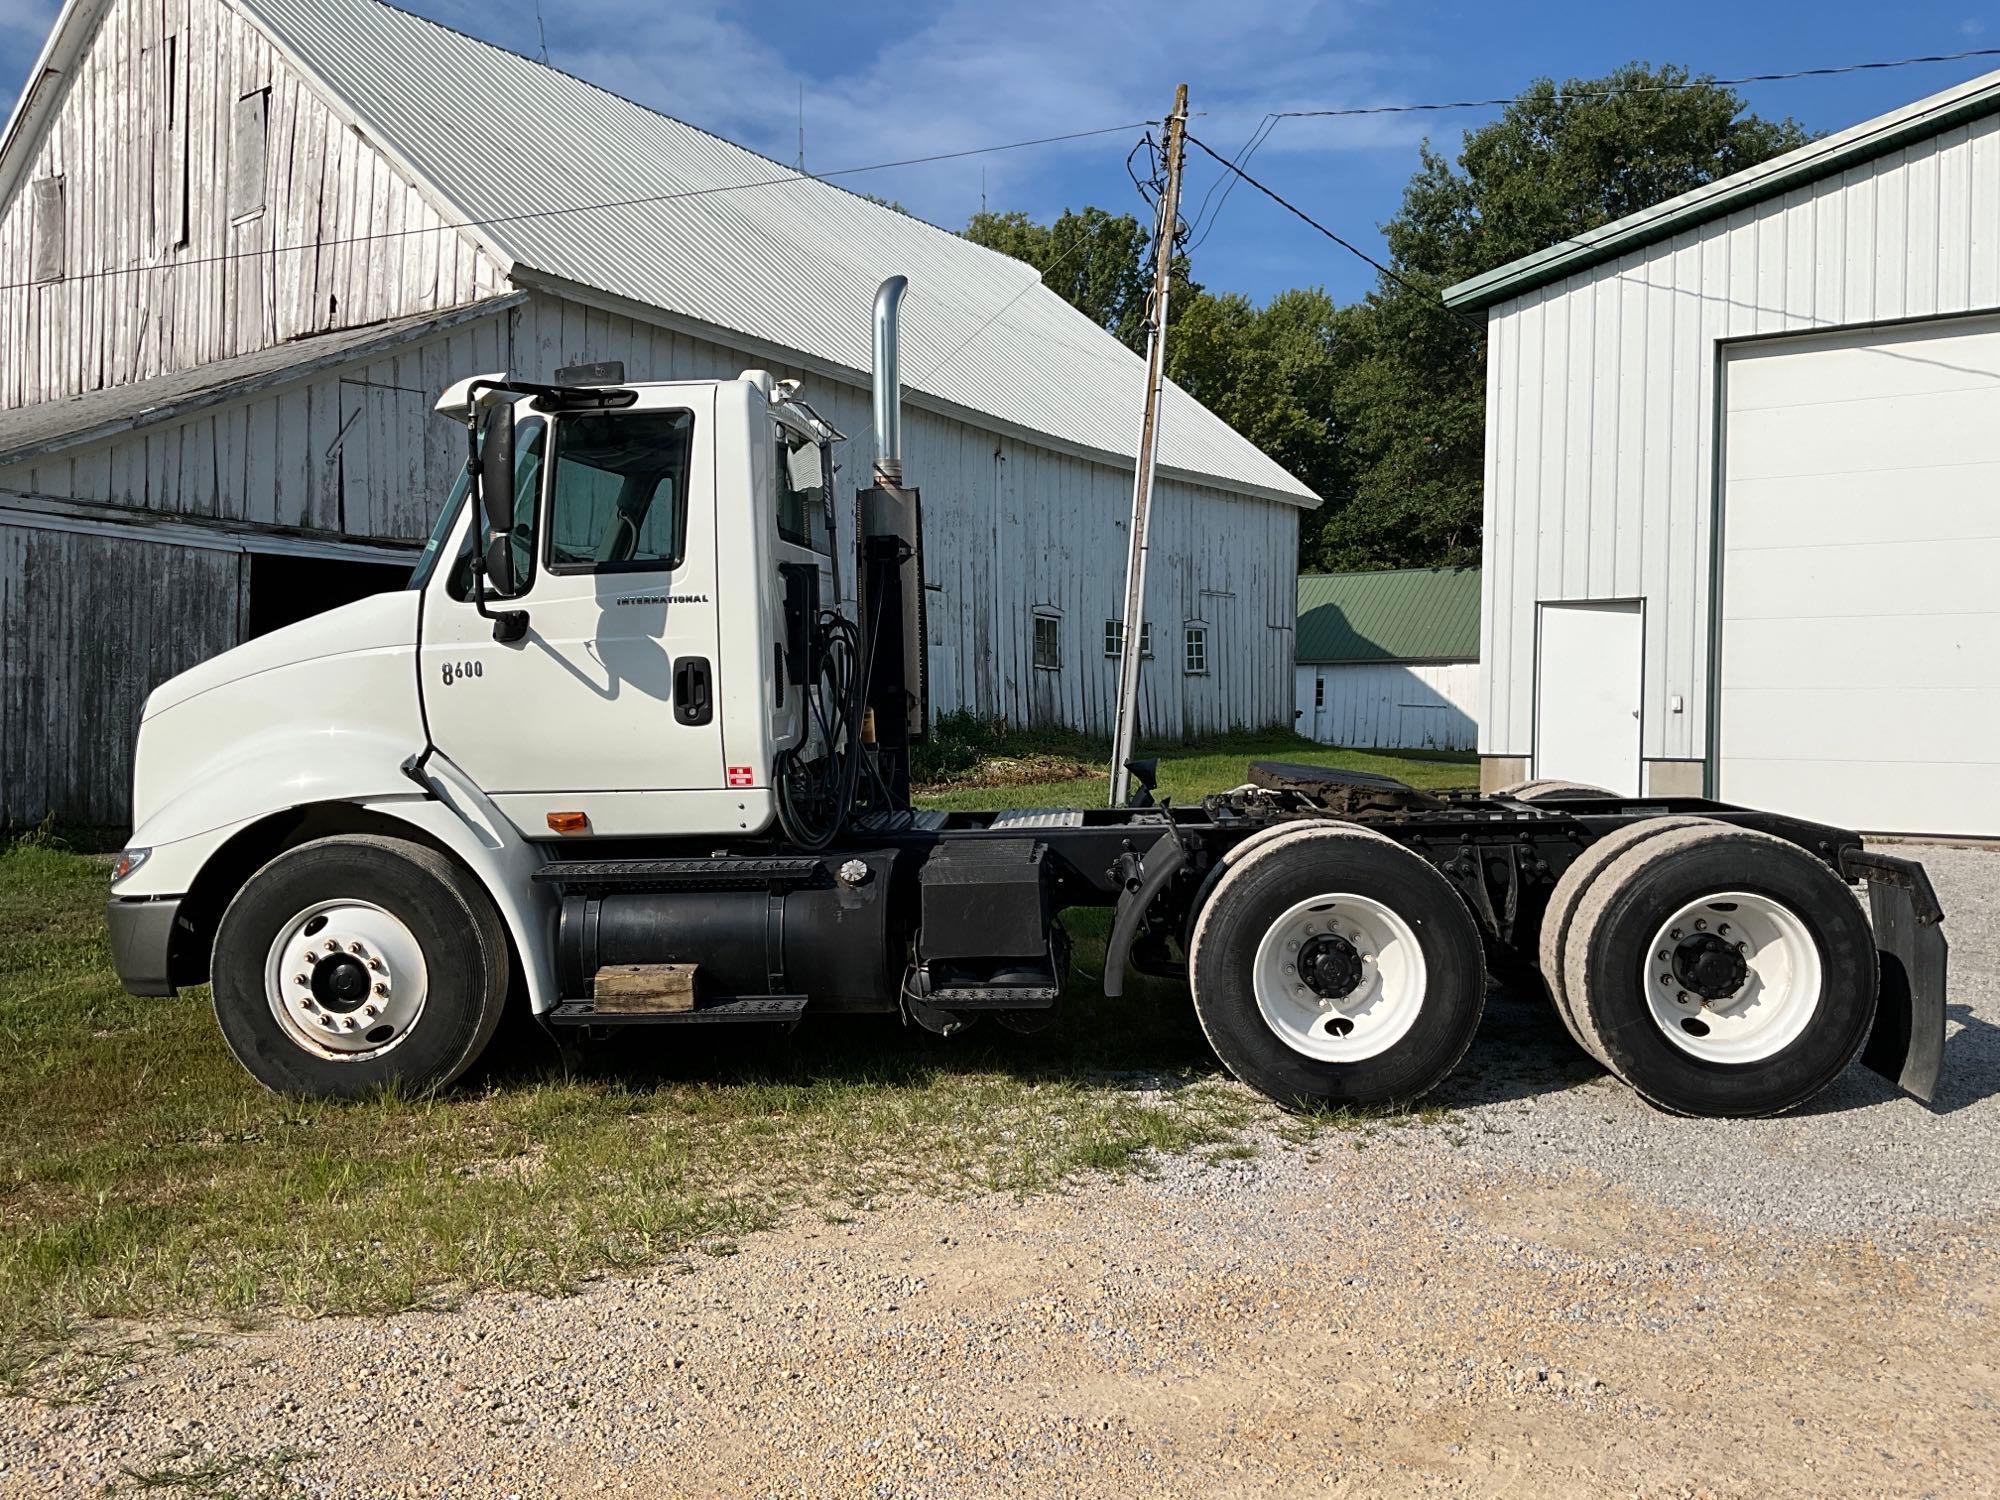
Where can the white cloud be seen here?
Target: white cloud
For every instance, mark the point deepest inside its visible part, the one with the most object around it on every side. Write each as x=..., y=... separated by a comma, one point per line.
x=971, y=74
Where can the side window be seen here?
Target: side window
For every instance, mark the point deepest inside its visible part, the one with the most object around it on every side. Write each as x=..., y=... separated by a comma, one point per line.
x=618, y=503
x=802, y=492
x=530, y=440
x=1048, y=643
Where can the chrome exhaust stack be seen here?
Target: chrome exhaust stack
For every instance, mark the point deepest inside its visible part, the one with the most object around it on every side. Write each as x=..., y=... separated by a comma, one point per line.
x=889, y=383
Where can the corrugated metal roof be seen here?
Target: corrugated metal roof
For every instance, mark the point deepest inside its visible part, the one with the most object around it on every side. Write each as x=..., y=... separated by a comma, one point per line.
x=794, y=264
x=1404, y=614
x=27, y=431
x=1781, y=174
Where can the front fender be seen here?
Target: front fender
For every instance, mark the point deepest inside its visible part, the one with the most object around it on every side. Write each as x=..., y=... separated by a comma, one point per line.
x=464, y=820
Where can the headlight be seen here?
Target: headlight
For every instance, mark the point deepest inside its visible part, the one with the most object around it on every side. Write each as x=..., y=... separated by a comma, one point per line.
x=128, y=861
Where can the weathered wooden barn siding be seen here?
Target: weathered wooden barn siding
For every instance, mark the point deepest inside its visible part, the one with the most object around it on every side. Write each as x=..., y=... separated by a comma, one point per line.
x=1012, y=528
x=1601, y=397
x=88, y=625
x=356, y=451
x=117, y=141
x=1391, y=705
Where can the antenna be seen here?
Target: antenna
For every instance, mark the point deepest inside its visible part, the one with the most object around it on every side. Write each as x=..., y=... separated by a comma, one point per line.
x=982, y=189
x=802, y=126
x=542, y=32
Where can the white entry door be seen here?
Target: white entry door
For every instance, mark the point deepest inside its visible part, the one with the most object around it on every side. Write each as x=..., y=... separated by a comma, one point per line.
x=1587, y=685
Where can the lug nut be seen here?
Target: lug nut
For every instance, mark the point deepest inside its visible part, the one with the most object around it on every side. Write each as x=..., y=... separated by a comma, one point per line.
x=1675, y=933
x=356, y=948
x=381, y=989
x=309, y=958
x=333, y=947
x=1722, y=927
x=300, y=979
x=371, y=1011
x=1666, y=979
x=376, y=965
x=1681, y=996
x=1663, y=955
x=1742, y=947
x=1701, y=924
x=327, y=1022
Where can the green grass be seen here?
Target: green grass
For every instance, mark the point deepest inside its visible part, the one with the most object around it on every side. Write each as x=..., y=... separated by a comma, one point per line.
x=144, y=1176
x=1190, y=772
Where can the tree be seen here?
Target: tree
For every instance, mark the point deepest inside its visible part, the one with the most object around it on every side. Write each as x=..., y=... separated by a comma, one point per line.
x=1268, y=372
x=1410, y=385
x=1096, y=261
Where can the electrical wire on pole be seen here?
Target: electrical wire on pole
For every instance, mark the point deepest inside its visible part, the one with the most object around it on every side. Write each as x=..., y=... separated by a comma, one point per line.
x=1166, y=240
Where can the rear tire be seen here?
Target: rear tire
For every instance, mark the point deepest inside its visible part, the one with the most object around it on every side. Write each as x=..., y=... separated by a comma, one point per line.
x=1549, y=789
x=1560, y=913
x=1397, y=977
x=1768, y=989
x=356, y=963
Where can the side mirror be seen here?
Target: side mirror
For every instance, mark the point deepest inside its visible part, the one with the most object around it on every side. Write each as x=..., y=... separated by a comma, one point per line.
x=492, y=463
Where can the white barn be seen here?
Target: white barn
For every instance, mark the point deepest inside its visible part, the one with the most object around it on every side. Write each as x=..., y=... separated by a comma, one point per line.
x=1742, y=454
x=246, y=244
x=1389, y=660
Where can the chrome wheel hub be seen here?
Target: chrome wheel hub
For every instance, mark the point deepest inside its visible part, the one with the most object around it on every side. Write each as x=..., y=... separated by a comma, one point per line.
x=346, y=980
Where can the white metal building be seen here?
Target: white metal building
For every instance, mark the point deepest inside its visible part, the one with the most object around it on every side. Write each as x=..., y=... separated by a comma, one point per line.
x=1743, y=486
x=1390, y=660
x=246, y=243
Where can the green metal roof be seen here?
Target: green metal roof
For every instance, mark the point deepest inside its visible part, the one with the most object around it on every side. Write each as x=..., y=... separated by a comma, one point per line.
x=1781, y=174
x=1404, y=614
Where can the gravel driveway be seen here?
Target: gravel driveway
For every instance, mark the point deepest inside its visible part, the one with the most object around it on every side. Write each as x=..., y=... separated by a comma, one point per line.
x=1550, y=1287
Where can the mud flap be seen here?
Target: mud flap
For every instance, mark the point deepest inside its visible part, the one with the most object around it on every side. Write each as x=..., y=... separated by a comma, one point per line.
x=1907, y=1045
x=1163, y=861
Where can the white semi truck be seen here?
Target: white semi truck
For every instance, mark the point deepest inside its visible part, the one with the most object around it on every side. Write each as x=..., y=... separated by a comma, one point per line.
x=619, y=755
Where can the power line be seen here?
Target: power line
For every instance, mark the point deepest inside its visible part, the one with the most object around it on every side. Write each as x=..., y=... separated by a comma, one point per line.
x=1041, y=279
x=1352, y=249
x=1643, y=88
x=567, y=209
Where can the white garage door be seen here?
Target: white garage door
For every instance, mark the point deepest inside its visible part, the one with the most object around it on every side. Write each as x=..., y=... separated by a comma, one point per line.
x=1860, y=630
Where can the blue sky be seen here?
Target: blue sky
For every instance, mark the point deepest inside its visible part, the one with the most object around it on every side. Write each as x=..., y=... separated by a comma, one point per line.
x=883, y=82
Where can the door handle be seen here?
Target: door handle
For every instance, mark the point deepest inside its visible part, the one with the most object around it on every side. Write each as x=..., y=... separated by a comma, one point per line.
x=694, y=700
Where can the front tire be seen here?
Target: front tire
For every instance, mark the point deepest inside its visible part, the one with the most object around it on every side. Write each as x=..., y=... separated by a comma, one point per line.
x=356, y=963
x=1334, y=967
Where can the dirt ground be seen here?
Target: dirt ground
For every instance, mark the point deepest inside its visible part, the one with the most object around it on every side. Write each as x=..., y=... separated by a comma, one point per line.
x=1347, y=1318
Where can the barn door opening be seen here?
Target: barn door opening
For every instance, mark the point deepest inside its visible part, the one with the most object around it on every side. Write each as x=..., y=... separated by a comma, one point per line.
x=286, y=589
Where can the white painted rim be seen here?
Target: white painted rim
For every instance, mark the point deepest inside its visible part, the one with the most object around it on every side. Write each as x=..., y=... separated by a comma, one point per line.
x=397, y=980
x=1382, y=1008
x=1779, y=995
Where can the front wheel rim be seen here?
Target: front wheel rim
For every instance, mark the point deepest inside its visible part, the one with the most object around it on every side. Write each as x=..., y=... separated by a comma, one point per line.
x=1733, y=978
x=346, y=980
x=1318, y=1021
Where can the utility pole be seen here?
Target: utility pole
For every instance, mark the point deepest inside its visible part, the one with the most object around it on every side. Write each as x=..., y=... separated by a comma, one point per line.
x=1138, y=542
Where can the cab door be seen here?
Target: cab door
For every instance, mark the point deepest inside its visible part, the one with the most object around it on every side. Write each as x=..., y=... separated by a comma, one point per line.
x=606, y=705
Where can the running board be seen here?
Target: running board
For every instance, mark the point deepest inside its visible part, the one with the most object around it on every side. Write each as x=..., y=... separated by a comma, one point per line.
x=994, y=997
x=750, y=1010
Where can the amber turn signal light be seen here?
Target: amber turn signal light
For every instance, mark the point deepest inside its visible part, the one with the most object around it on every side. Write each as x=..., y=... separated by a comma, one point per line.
x=568, y=822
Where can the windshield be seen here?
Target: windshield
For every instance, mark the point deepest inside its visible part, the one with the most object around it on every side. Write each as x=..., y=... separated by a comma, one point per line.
x=447, y=518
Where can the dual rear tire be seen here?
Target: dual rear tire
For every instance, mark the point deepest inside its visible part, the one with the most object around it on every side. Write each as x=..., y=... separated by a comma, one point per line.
x=1332, y=967
x=1715, y=970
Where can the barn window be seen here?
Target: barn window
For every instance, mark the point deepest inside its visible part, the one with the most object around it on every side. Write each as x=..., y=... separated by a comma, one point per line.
x=1319, y=692
x=1048, y=643
x=1114, y=639
x=248, y=155
x=50, y=237
x=1194, y=650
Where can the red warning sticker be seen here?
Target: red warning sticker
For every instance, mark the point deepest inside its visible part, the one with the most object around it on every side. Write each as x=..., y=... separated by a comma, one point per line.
x=742, y=776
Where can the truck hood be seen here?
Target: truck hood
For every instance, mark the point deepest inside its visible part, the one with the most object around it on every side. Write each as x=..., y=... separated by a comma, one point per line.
x=377, y=623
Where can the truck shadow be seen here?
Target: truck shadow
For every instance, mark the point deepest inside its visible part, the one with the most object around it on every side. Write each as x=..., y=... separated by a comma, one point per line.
x=1146, y=1041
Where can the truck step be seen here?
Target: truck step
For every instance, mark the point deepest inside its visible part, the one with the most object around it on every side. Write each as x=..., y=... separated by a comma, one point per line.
x=680, y=874
x=753, y=1010
x=994, y=996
